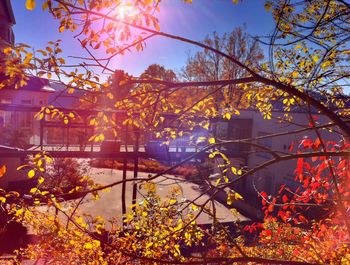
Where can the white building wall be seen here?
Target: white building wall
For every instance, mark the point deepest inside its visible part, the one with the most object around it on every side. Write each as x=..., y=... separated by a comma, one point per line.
x=20, y=120
x=272, y=177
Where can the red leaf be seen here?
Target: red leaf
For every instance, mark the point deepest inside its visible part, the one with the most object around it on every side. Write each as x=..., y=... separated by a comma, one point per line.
x=306, y=143
x=284, y=198
x=299, y=169
x=268, y=232
x=317, y=143
x=291, y=147
x=263, y=194
x=303, y=219
x=270, y=208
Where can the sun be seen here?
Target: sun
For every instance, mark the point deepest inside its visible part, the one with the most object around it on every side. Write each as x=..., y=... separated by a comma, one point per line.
x=125, y=11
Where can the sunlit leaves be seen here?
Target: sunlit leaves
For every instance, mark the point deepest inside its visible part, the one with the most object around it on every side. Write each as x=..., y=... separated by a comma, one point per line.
x=2, y=170
x=236, y=171
x=211, y=140
x=30, y=4
x=227, y=116
x=155, y=228
x=54, y=114
x=233, y=196
x=31, y=173
x=268, y=6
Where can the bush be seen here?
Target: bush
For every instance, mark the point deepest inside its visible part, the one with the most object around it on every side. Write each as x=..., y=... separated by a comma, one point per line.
x=146, y=165
x=64, y=174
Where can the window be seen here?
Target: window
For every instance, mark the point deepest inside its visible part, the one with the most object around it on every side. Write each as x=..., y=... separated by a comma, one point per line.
x=267, y=142
x=5, y=116
x=5, y=101
x=239, y=129
x=26, y=101
x=222, y=130
x=26, y=119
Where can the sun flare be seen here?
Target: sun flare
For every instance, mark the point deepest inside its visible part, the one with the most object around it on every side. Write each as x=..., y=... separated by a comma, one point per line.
x=126, y=11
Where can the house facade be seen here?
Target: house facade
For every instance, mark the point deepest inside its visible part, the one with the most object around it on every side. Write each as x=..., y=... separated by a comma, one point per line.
x=18, y=128
x=250, y=124
x=7, y=20
x=17, y=125
x=16, y=116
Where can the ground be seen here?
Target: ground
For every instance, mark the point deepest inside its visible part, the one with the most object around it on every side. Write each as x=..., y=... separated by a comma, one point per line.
x=109, y=205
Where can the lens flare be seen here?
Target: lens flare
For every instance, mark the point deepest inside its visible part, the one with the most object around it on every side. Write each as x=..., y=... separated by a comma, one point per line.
x=126, y=11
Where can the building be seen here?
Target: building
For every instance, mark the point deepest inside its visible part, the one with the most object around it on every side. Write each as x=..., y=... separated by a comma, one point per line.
x=17, y=125
x=7, y=20
x=18, y=128
x=17, y=112
x=250, y=124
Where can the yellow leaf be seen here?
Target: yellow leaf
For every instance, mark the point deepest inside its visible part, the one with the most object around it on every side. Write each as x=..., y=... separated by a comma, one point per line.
x=88, y=246
x=33, y=190
x=45, y=5
x=92, y=121
x=315, y=58
x=235, y=1
x=110, y=95
x=234, y=170
x=30, y=4
x=177, y=250
x=157, y=27
x=238, y=196
x=232, y=195
x=227, y=116
x=31, y=173
x=65, y=120
x=297, y=47
x=268, y=6
x=325, y=65
x=7, y=50
x=211, y=140
x=61, y=28
x=295, y=74
x=2, y=170
x=40, y=180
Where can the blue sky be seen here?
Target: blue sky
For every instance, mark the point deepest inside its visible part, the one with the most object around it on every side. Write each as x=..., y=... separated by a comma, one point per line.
x=193, y=21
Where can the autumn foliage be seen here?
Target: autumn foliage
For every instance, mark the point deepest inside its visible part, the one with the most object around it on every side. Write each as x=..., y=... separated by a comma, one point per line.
x=306, y=71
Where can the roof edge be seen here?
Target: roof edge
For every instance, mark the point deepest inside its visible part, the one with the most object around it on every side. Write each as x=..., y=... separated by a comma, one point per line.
x=9, y=10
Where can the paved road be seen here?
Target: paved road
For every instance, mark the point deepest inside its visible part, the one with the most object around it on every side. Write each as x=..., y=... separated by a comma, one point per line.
x=109, y=205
